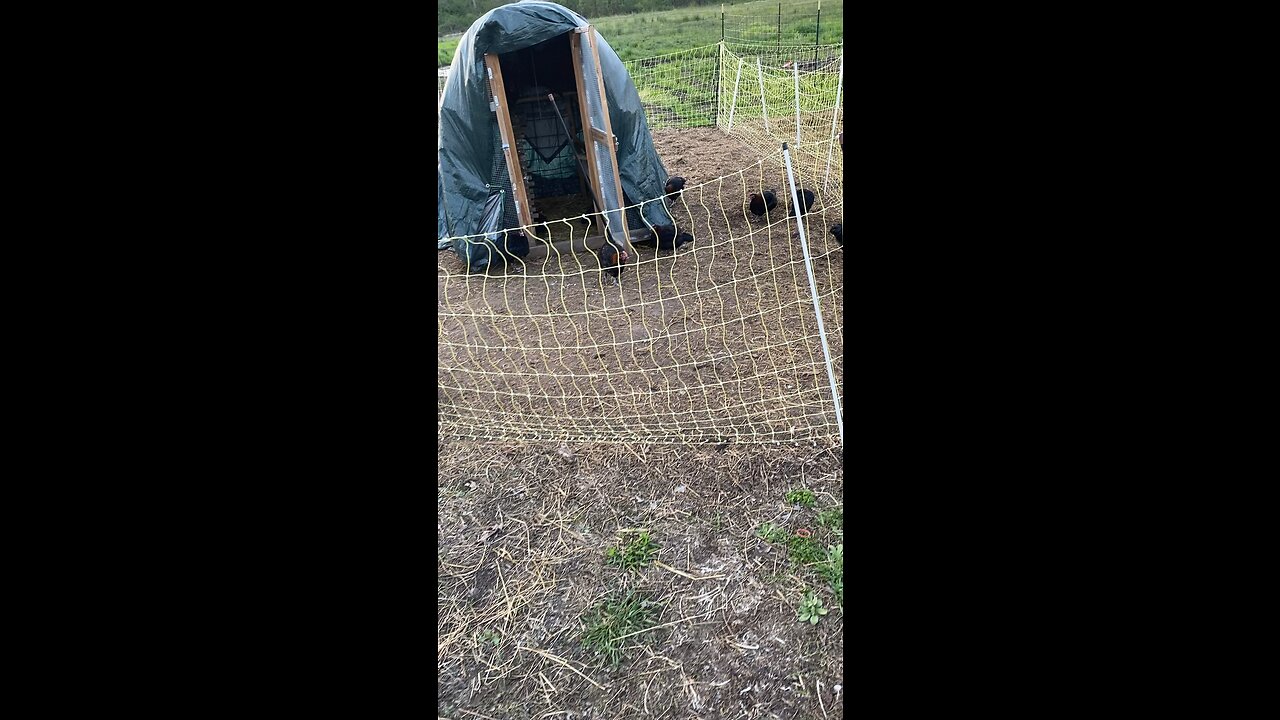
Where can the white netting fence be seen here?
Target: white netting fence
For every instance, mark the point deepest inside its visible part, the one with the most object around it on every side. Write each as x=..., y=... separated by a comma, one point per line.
x=714, y=341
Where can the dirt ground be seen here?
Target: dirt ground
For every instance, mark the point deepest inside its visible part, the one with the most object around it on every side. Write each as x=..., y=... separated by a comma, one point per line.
x=521, y=563
x=715, y=341
x=716, y=374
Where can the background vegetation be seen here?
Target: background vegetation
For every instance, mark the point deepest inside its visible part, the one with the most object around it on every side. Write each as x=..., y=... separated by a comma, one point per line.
x=634, y=30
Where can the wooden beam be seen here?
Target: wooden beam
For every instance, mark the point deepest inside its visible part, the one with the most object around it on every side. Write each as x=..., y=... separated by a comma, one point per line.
x=584, y=111
x=523, y=214
x=608, y=141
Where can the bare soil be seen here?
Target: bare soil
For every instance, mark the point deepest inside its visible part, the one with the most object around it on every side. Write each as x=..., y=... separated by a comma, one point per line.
x=521, y=539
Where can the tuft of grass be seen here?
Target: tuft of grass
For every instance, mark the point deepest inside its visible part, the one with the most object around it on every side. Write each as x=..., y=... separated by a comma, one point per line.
x=832, y=519
x=637, y=553
x=805, y=550
x=831, y=569
x=771, y=532
x=811, y=609
x=606, y=624
x=800, y=496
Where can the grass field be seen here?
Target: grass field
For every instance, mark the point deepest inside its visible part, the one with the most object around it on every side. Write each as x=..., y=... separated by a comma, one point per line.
x=645, y=35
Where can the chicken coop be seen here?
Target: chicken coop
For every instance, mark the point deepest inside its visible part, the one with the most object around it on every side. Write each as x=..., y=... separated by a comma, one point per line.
x=537, y=106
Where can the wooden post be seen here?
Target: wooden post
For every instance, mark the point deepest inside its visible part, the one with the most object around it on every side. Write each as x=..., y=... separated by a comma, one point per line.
x=584, y=113
x=523, y=215
x=605, y=138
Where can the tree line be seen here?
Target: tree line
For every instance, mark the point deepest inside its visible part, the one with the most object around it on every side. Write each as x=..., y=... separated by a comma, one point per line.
x=457, y=15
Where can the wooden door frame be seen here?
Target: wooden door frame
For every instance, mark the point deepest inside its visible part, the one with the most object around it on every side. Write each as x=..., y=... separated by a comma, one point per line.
x=524, y=217
x=589, y=133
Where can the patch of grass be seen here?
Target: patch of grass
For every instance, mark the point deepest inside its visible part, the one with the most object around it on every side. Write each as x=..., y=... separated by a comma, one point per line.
x=811, y=609
x=831, y=569
x=805, y=550
x=832, y=519
x=615, y=617
x=773, y=533
x=637, y=553
x=800, y=496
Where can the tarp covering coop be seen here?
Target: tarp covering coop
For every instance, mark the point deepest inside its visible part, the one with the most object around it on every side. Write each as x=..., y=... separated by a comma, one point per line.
x=520, y=53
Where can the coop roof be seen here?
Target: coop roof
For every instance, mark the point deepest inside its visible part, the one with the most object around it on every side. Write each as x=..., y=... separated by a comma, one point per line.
x=466, y=145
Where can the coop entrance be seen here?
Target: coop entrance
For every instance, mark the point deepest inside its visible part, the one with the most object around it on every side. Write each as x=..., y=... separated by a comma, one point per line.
x=558, y=157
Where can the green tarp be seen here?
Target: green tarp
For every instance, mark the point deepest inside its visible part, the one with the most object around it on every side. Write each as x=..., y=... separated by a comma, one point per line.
x=467, y=143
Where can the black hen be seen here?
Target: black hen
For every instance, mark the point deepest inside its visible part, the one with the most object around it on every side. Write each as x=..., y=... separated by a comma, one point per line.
x=838, y=231
x=654, y=236
x=664, y=236
x=806, y=202
x=672, y=244
x=516, y=244
x=762, y=203
x=609, y=258
x=675, y=186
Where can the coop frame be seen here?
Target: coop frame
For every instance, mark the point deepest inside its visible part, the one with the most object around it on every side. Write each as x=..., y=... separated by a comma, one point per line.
x=598, y=138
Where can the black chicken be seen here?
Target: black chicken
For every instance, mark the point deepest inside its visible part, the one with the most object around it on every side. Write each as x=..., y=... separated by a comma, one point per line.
x=663, y=236
x=610, y=259
x=651, y=237
x=515, y=244
x=763, y=203
x=681, y=239
x=838, y=231
x=675, y=186
x=806, y=201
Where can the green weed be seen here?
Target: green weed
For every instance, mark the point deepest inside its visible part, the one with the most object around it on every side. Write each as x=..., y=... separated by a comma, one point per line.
x=805, y=550
x=771, y=532
x=832, y=519
x=607, y=624
x=811, y=609
x=637, y=553
x=800, y=496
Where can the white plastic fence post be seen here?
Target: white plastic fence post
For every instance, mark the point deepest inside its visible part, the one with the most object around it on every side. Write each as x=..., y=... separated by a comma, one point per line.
x=796, y=66
x=764, y=107
x=813, y=288
x=734, y=105
x=835, y=112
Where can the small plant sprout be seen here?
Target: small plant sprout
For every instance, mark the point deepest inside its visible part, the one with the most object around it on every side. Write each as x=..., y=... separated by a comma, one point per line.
x=811, y=609
x=771, y=532
x=800, y=496
x=489, y=635
x=637, y=553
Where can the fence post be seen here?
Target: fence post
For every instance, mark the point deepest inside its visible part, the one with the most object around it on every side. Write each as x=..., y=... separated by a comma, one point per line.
x=715, y=119
x=795, y=66
x=722, y=19
x=835, y=112
x=733, y=104
x=813, y=288
x=764, y=106
x=817, y=34
x=779, y=27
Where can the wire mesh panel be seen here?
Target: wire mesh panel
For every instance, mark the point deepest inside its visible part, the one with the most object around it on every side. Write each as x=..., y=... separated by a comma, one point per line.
x=679, y=89
x=714, y=340
x=597, y=113
x=549, y=159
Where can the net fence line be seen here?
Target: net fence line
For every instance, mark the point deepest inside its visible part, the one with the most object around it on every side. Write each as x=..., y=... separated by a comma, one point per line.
x=715, y=341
